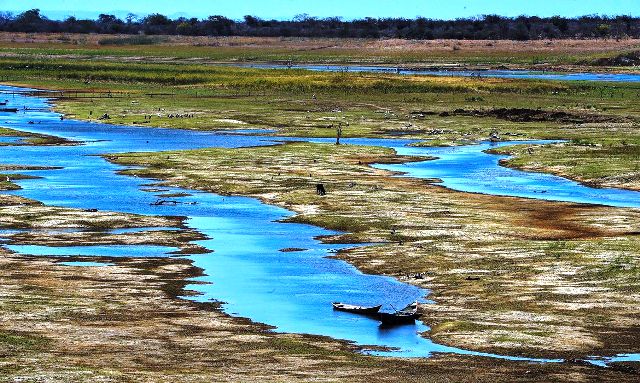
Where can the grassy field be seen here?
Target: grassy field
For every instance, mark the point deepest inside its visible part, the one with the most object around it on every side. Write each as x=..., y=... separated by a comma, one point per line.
x=507, y=274
x=606, y=163
x=444, y=111
x=315, y=50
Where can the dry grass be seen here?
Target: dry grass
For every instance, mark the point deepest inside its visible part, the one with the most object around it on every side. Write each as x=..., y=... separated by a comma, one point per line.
x=123, y=323
x=521, y=276
x=394, y=51
x=373, y=45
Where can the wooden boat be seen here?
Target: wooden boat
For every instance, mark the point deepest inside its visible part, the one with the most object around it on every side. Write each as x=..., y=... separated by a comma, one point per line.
x=161, y=202
x=9, y=110
x=362, y=310
x=407, y=315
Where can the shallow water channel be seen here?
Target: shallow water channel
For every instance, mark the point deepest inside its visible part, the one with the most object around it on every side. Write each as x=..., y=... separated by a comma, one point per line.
x=246, y=270
x=491, y=73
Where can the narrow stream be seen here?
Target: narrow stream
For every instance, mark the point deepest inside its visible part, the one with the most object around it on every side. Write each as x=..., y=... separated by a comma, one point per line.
x=246, y=270
x=491, y=73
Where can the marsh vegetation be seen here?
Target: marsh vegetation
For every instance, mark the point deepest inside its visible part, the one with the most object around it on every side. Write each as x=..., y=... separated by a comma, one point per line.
x=506, y=274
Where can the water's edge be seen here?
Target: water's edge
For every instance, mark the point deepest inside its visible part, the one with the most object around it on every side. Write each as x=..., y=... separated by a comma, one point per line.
x=236, y=258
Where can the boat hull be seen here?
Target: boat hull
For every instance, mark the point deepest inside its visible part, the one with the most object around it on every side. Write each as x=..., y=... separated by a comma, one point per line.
x=362, y=310
x=389, y=319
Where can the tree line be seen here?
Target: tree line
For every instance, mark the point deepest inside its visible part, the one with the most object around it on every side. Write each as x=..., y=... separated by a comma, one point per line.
x=486, y=27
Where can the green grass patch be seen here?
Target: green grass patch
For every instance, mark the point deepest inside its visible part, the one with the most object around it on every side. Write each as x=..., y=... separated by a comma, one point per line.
x=18, y=341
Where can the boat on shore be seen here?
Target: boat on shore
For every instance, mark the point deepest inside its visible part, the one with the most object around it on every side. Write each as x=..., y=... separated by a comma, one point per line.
x=362, y=310
x=407, y=315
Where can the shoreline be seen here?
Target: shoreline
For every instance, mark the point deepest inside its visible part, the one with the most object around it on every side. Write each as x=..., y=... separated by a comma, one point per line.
x=509, y=163
x=396, y=159
x=345, y=255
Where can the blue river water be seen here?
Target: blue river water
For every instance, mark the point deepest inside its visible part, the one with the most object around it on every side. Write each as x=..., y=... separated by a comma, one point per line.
x=9, y=139
x=246, y=270
x=481, y=173
x=514, y=74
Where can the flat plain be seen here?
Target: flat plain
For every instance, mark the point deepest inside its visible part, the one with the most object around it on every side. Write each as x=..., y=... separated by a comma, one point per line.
x=507, y=275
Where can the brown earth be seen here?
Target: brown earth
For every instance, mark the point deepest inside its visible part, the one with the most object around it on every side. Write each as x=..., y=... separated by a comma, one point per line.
x=515, y=275
x=123, y=324
x=537, y=115
x=487, y=46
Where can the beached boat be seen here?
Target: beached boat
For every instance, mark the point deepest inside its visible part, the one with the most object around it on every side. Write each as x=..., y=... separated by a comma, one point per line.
x=362, y=310
x=407, y=315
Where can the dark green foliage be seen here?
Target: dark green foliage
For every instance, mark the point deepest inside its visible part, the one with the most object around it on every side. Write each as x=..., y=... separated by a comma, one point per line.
x=485, y=27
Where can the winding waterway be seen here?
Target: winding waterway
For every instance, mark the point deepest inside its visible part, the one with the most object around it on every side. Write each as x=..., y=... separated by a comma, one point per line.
x=491, y=73
x=246, y=270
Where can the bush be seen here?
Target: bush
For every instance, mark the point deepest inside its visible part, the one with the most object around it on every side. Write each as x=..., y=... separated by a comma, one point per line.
x=132, y=40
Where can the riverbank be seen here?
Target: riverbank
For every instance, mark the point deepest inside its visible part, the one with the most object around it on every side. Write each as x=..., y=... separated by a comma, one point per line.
x=349, y=370
x=507, y=275
x=471, y=54
x=122, y=324
x=17, y=138
x=581, y=161
x=126, y=323
x=440, y=110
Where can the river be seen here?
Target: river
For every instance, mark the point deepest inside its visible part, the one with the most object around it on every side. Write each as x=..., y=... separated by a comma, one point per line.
x=480, y=73
x=245, y=269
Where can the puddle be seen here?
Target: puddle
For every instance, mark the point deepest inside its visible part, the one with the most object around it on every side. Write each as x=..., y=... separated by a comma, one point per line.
x=137, y=251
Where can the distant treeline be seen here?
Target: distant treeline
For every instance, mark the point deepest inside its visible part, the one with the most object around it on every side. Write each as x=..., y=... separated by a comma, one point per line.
x=479, y=28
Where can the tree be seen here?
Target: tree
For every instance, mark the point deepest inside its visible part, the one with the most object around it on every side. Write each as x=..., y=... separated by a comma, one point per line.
x=30, y=21
x=521, y=32
x=156, y=24
x=29, y=17
x=303, y=25
x=560, y=22
x=107, y=19
x=252, y=21
x=187, y=27
x=302, y=17
x=603, y=30
x=157, y=19
x=218, y=26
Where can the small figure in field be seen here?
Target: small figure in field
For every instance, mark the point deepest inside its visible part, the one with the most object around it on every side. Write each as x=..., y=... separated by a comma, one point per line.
x=494, y=136
x=320, y=190
x=339, y=132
